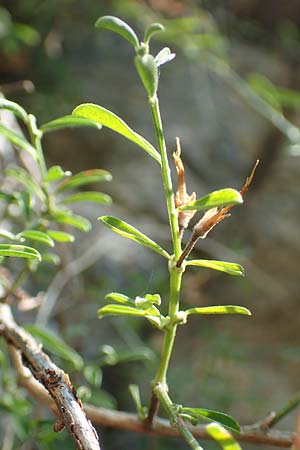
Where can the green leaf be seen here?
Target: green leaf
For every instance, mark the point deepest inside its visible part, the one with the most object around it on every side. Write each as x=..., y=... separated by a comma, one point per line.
x=7, y=234
x=14, y=108
x=148, y=72
x=215, y=416
x=221, y=309
x=164, y=56
x=135, y=394
x=88, y=196
x=56, y=345
x=151, y=30
x=118, y=26
x=222, y=436
x=61, y=236
x=8, y=198
x=93, y=375
x=115, y=123
x=24, y=178
x=85, y=177
x=38, y=236
x=56, y=173
x=74, y=220
x=126, y=230
x=222, y=266
x=120, y=298
x=69, y=121
x=51, y=258
x=20, y=251
x=18, y=141
x=118, y=310
x=223, y=197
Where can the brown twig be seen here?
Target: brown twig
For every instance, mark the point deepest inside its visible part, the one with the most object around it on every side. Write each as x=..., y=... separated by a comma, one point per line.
x=55, y=381
x=131, y=422
x=153, y=410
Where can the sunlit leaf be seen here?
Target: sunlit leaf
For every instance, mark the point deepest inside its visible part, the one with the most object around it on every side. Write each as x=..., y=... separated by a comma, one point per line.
x=153, y=29
x=222, y=436
x=20, y=251
x=85, y=177
x=56, y=345
x=164, y=56
x=88, y=196
x=222, y=266
x=215, y=416
x=118, y=310
x=120, y=298
x=24, y=178
x=56, y=173
x=148, y=72
x=112, y=121
x=7, y=234
x=118, y=26
x=223, y=197
x=221, y=309
x=38, y=236
x=14, y=108
x=71, y=219
x=18, y=141
x=60, y=236
x=69, y=122
x=126, y=230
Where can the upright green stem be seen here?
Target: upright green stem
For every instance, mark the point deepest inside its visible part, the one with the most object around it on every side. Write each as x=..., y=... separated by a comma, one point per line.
x=162, y=393
x=170, y=331
x=166, y=175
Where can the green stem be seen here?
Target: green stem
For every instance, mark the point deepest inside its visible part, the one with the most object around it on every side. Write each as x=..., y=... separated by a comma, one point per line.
x=36, y=136
x=166, y=175
x=161, y=392
x=170, y=331
x=285, y=410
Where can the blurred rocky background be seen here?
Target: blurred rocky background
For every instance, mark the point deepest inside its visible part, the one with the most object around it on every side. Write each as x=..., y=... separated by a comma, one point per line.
x=232, y=96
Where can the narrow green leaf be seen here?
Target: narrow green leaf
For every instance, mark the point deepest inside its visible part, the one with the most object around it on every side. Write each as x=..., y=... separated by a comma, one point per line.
x=164, y=56
x=118, y=310
x=151, y=30
x=135, y=394
x=61, y=236
x=7, y=234
x=223, y=197
x=56, y=345
x=126, y=230
x=221, y=309
x=148, y=72
x=8, y=198
x=222, y=266
x=24, y=178
x=51, y=258
x=93, y=375
x=18, y=141
x=71, y=219
x=69, y=122
x=38, y=236
x=14, y=108
x=85, y=177
x=20, y=251
x=215, y=416
x=56, y=173
x=118, y=26
x=120, y=298
x=88, y=196
x=222, y=436
x=115, y=123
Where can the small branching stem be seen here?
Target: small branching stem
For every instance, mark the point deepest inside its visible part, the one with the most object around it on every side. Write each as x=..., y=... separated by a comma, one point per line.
x=285, y=410
x=161, y=391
